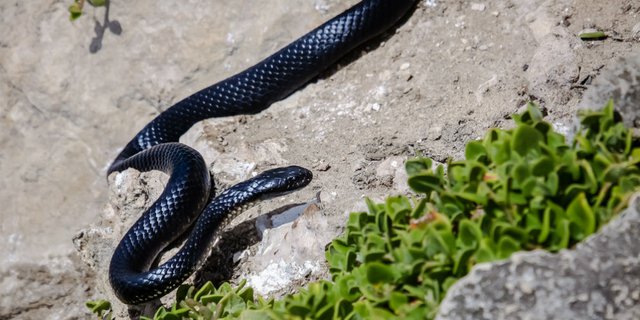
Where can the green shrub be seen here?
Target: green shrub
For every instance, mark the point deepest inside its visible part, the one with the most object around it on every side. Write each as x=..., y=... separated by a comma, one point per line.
x=518, y=189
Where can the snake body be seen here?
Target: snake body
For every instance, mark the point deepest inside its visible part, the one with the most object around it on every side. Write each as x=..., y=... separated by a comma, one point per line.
x=183, y=203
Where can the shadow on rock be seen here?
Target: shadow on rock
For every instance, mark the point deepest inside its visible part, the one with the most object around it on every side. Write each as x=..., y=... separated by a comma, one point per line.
x=100, y=29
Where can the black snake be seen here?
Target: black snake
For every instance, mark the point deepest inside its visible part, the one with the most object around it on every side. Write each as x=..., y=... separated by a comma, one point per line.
x=155, y=147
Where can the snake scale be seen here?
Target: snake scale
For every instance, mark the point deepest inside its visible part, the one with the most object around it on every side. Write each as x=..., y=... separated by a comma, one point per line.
x=183, y=205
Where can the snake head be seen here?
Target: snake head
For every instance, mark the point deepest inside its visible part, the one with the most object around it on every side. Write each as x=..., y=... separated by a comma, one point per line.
x=282, y=180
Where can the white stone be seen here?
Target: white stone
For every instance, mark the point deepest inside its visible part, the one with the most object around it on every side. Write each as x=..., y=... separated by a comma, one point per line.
x=478, y=6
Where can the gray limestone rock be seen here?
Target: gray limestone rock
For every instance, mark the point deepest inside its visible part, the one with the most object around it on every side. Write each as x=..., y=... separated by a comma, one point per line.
x=51, y=291
x=554, y=67
x=621, y=82
x=599, y=279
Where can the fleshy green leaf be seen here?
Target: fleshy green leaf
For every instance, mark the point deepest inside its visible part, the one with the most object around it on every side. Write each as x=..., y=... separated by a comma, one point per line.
x=525, y=138
x=75, y=11
x=507, y=246
x=380, y=273
x=97, y=3
x=418, y=166
x=469, y=234
x=582, y=216
x=425, y=183
x=475, y=150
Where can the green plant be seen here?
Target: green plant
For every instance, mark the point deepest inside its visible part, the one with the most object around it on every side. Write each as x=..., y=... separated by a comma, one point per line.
x=517, y=189
x=211, y=303
x=75, y=9
x=102, y=308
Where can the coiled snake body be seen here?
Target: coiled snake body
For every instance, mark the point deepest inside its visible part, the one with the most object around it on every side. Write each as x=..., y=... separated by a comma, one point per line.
x=155, y=147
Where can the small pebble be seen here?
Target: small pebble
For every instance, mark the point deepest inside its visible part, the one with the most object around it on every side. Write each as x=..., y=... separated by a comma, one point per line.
x=635, y=31
x=477, y=6
x=431, y=3
x=321, y=166
x=405, y=66
x=588, y=30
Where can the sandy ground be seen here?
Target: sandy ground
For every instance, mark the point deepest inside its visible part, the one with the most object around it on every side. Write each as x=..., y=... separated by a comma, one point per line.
x=452, y=70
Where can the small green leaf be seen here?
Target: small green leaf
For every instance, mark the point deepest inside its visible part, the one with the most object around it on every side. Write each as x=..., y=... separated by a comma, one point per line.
x=298, y=309
x=561, y=236
x=582, y=216
x=264, y=314
x=97, y=3
x=348, y=287
x=380, y=273
x=75, y=11
x=475, y=150
x=469, y=234
x=594, y=35
x=418, y=166
x=179, y=311
x=545, y=227
x=98, y=306
x=485, y=253
x=373, y=255
x=556, y=140
x=211, y=298
x=525, y=138
x=448, y=282
x=507, y=246
x=419, y=209
x=553, y=183
x=206, y=289
x=235, y=305
x=341, y=262
x=503, y=152
x=461, y=261
x=170, y=316
x=543, y=127
x=397, y=208
x=160, y=313
x=397, y=300
x=425, y=183
x=529, y=188
x=472, y=197
x=542, y=167
x=614, y=172
x=357, y=220
x=533, y=114
x=246, y=294
x=521, y=172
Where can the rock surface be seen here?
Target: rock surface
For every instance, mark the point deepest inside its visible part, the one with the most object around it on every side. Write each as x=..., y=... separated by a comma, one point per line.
x=442, y=78
x=599, y=279
x=621, y=83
